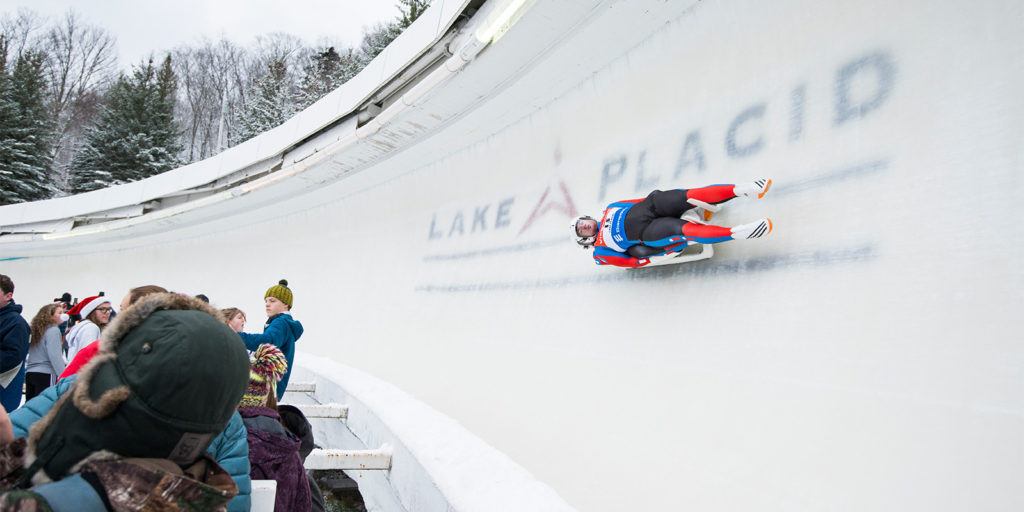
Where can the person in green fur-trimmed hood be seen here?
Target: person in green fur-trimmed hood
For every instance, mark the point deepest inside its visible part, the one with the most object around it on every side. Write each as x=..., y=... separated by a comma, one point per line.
x=281, y=330
x=135, y=424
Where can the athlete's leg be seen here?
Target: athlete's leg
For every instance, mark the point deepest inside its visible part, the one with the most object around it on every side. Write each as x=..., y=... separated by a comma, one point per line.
x=667, y=231
x=674, y=203
x=714, y=234
x=663, y=231
x=668, y=203
x=644, y=251
x=706, y=234
x=712, y=194
x=717, y=194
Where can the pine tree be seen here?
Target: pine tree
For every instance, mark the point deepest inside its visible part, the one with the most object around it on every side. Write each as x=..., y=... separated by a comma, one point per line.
x=162, y=126
x=378, y=38
x=37, y=128
x=272, y=104
x=382, y=34
x=26, y=134
x=12, y=190
x=135, y=136
x=325, y=72
x=410, y=9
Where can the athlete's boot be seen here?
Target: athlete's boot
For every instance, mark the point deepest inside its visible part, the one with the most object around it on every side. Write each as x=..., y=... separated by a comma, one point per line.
x=756, y=188
x=755, y=229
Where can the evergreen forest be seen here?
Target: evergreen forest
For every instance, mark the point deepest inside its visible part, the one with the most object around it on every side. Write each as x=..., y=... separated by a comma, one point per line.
x=72, y=120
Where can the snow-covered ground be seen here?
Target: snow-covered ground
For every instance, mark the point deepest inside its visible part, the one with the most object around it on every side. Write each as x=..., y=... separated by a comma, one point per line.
x=864, y=356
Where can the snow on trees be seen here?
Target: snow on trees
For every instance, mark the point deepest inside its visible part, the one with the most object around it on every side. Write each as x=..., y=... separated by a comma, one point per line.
x=135, y=136
x=70, y=123
x=26, y=135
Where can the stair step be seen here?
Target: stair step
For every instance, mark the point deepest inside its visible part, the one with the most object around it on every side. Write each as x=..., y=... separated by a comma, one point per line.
x=349, y=459
x=324, y=410
x=301, y=387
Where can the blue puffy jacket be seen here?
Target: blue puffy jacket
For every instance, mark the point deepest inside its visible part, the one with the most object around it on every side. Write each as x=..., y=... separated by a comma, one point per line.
x=230, y=449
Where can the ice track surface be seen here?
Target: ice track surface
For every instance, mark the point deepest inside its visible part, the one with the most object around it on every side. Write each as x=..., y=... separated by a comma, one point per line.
x=866, y=355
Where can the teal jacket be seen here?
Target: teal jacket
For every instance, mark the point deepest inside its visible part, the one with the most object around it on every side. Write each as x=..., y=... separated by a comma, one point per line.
x=281, y=331
x=230, y=449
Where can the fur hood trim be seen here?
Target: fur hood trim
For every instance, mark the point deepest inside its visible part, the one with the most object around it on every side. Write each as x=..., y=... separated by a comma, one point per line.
x=111, y=338
x=134, y=315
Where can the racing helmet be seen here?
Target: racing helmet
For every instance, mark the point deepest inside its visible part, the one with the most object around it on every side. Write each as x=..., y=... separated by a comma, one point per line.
x=585, y=242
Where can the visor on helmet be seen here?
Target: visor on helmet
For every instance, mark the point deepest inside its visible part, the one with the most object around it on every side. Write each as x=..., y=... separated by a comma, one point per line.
x=583, y=241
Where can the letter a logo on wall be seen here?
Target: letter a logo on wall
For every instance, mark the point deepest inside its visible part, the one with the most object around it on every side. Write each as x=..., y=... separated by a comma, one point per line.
x=548, y=202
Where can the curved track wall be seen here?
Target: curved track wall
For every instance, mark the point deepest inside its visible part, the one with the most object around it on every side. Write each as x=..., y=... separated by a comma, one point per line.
x=862, y=356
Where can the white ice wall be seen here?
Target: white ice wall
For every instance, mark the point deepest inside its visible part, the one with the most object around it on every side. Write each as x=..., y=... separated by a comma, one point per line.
x=864, y=356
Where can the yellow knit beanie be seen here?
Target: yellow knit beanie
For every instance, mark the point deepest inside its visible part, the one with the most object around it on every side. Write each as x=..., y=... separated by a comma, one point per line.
x=280, y=292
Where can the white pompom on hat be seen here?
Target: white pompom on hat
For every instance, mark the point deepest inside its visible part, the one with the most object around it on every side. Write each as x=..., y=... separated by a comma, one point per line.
x=87, y=305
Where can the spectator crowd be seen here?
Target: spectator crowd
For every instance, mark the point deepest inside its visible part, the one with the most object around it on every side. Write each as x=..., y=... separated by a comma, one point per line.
x=160, y=403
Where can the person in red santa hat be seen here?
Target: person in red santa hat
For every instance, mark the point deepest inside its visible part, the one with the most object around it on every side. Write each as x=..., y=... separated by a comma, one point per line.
x=95, y=313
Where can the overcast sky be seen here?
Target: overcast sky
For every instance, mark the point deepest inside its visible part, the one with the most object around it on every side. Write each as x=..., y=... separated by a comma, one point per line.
x=147, y=26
